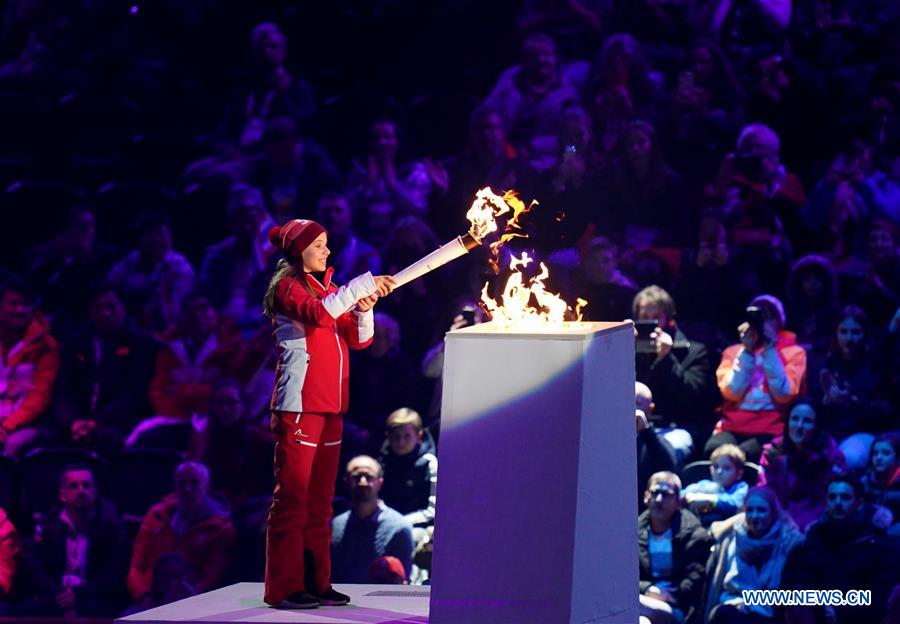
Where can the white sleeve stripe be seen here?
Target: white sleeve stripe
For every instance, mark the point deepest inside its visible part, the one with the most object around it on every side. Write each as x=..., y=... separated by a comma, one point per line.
x=365, y=325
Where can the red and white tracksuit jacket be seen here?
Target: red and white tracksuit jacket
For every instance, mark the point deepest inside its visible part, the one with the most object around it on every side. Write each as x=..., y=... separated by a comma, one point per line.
x=312, y=336
x=313, y=332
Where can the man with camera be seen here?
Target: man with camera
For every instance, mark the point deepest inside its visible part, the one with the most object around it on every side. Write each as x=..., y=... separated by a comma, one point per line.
x=758, y=378
x=676, y=368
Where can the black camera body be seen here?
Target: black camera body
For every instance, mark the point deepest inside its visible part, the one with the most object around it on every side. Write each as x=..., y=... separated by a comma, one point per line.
x=642, y=342
x=756, y=319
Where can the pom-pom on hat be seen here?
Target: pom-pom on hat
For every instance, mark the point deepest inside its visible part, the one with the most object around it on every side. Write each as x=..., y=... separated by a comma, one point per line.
x=294, y=236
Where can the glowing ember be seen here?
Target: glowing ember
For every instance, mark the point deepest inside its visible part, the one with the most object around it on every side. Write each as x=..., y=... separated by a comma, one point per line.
x=516, y=309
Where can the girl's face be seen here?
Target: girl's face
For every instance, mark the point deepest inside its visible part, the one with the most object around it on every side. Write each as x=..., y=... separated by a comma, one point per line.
x=316, y=254
x=802, y=425
x=884, y=459
x=759, y=515
x=850, y=337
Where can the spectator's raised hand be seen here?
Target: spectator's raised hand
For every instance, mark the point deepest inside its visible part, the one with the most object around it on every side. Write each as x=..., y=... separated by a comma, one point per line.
x=662, y=342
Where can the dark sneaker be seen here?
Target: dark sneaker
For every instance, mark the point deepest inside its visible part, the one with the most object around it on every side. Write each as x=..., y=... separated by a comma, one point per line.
x=300, y=600
x=333, y=598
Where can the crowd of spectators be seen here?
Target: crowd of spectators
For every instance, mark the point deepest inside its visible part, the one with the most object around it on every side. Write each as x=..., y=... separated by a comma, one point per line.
x=724, y=172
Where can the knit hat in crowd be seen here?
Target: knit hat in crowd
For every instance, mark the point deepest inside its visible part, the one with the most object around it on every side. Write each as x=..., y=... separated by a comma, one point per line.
x=294, y=236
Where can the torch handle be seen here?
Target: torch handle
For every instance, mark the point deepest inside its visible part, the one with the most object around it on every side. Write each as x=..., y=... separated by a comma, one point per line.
x=450, y=251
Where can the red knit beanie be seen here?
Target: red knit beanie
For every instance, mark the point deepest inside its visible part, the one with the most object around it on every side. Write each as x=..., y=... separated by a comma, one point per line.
x=294, y=236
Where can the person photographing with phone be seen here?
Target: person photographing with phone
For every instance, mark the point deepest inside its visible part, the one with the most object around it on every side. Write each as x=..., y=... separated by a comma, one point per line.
x=759, y=378
x=314, y=324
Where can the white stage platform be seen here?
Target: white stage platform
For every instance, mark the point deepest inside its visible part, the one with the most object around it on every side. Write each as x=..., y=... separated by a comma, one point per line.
x=242, y=602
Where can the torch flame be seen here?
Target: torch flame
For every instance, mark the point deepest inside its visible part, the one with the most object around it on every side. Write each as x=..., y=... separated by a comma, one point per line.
x=515, y=307
x=483, y=218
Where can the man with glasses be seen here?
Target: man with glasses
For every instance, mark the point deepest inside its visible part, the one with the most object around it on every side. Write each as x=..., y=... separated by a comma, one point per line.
x=672, y=551
x=369, y=529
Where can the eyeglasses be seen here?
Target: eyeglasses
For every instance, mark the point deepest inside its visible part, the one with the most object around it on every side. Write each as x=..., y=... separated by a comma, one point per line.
x=664, y=492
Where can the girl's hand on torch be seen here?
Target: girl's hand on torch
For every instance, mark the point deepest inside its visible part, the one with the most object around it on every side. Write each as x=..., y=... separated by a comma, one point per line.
x=385, y=284
x=366, y=303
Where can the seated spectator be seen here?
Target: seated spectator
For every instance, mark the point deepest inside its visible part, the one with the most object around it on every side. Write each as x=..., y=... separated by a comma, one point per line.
x=760, y=201
x=709, y=267
x=173, y=580
x=707, y=107
x=384, y=189
x=293, y=171
x=417, y=307
x=678, y=442
x=837, y=208
x=595, y=277
x=654, y=452
x=750, y=552
x=531, y=98
x=569, y=186
x=758, y=379
x=488, y=159
x=77, y=564
x=675, y=367
x=9, y=561
x=672, y=549
x=29, y=363
x=62, y=266
x=881, y=481
x=883, y=187
x=369, y=529
x=741, y=27
x=844, y=550
x=875, y=285
x=852, y=388
x=812, y=304
x=153, y=277
x=385, y=379
x=235, y=271
x=646, y=204
x=196, y=352
x=797, y=464
x=723, y=495
x=620, y=88
x=409, y=465
x=104, y=377
x=190, y=523
x=273, y=92
x=351, y=255
x=236, y=451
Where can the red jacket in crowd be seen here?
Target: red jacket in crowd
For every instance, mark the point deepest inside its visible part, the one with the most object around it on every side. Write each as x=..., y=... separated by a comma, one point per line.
x=314, y=325
x=27, y=374
x=208, y=548
x=9, y=551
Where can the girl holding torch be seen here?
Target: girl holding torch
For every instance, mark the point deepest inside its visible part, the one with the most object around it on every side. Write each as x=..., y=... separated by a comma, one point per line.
x=314, y=324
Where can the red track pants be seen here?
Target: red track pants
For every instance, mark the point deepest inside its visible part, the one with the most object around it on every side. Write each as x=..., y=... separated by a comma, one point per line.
x=307, y=453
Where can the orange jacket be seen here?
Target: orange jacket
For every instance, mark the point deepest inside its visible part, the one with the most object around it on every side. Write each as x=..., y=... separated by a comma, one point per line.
x=758, y=387
x=208, y=548
x=27, y=374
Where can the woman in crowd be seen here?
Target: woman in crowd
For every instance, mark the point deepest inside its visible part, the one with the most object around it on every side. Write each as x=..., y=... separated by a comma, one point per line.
x=797, y=464
x=882, y=478
x=851, y=388
x=750, y=551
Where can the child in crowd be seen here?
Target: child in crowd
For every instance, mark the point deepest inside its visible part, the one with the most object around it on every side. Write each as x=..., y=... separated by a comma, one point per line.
x=409, y=460
x=723, y=495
